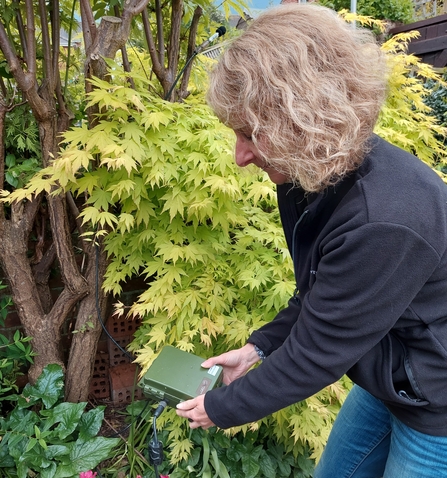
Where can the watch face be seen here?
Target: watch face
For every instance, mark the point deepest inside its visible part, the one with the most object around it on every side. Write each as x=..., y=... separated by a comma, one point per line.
x=260, y=353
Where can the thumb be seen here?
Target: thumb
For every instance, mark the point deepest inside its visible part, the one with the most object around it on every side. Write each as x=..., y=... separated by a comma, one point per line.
x=186, y=405
x=210, y=362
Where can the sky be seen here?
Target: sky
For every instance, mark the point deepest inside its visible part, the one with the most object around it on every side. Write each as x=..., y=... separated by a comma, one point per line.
x=262, y=3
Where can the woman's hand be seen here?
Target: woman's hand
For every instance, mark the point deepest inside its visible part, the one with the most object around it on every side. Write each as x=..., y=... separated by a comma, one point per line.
x=235, y=363
x=194, y=411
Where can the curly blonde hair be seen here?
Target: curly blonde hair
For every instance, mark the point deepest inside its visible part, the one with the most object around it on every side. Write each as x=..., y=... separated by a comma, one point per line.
x=307, y=86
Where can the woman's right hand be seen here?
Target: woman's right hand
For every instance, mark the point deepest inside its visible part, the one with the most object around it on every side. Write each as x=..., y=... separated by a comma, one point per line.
x=235, y=363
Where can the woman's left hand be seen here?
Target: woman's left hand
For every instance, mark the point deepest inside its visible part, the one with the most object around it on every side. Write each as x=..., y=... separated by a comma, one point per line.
x=194, y=411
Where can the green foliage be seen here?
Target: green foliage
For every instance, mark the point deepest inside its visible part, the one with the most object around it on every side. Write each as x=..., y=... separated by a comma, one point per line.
x=437, y=101
x=214, y=452
x=15, y=354
x=394, y=10
x=5, y=303
x=407, y=119
x=206, y=238
x=47, y=436
x=251, y=455
x=22, y=146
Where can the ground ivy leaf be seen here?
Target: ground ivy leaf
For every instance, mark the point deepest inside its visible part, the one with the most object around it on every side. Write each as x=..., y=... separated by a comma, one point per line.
x=85, y=456
x=48, y=387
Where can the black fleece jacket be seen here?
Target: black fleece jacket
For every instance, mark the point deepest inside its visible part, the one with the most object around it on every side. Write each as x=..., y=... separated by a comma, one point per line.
x=371, y=269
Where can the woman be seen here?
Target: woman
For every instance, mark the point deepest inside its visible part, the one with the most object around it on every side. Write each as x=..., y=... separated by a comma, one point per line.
x=366, y=226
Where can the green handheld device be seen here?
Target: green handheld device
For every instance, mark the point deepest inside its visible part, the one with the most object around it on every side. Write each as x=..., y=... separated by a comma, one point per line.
x=176, y=376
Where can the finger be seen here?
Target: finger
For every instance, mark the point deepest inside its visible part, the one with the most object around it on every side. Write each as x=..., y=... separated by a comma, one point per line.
x=186, y=405
x=184, y=414
x=213, y=361
x=188, y=415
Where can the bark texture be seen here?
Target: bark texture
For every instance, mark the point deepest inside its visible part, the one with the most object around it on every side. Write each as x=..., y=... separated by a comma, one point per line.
x=53, y=218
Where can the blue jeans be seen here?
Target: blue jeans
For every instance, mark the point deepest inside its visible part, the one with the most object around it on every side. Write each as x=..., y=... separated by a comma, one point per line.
x=367, y=441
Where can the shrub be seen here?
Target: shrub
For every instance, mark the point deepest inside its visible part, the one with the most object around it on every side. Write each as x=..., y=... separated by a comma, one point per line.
x=15, y=355
x=394, y=10
x=47, y=436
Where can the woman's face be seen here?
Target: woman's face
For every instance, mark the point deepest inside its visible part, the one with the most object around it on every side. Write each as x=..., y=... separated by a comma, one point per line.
x=247, y=153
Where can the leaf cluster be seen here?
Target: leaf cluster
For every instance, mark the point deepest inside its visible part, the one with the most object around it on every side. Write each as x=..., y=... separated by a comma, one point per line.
x=407, y=120
x=48, y=436
x=15, y=354
x=23, y=155
x=251, y=455
x=160, y=178
x=253, y=452
x=394, y=10
x=436, y=99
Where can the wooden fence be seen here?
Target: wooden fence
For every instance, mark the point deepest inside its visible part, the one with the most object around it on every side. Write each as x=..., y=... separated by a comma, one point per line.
x=431, y=46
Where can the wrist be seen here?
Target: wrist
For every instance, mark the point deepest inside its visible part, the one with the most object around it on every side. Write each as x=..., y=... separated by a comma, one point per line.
x=252, y=355
x=260, y=353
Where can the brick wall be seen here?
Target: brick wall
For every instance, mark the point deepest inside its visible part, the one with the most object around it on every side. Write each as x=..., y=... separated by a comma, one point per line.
x=114, y=373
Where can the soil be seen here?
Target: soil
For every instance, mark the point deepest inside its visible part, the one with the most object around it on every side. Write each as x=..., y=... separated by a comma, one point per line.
x=114, y=423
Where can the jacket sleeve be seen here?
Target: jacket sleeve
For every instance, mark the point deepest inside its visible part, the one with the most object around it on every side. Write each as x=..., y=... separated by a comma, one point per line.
x=272, y=335
x=366, y=279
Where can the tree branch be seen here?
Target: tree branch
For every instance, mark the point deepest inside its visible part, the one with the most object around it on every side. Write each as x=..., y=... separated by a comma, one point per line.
x=71, y=276
x=21, y=29
x=126, y=66
x=41, y=274
x=75, y=212
x=46, y=45
x=124, y=55
x=160, y=32
x=3, y=88
x=157, y=66
x=56, y=41
x=174, y=39
x=89, y=29
x=183, y=93
x=134, y=7
x=108, y=42
x=3, y=111
x=23, y=79
x=131, y=8
x=30, y=41
x=26, y=81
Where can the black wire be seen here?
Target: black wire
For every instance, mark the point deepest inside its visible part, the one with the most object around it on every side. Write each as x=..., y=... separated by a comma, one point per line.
x=155, y=447
x=98, y=309
x=120, y=432
x=169, y=93
x=152, y=444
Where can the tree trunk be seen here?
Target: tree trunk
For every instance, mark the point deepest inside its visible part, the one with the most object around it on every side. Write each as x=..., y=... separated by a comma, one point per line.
x=15, y=263
x=84, y=342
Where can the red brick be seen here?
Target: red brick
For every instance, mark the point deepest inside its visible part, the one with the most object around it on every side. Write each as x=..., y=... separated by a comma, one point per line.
x=123, y=379
x=122, y=326
x=116, y=355
x=100, y=387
